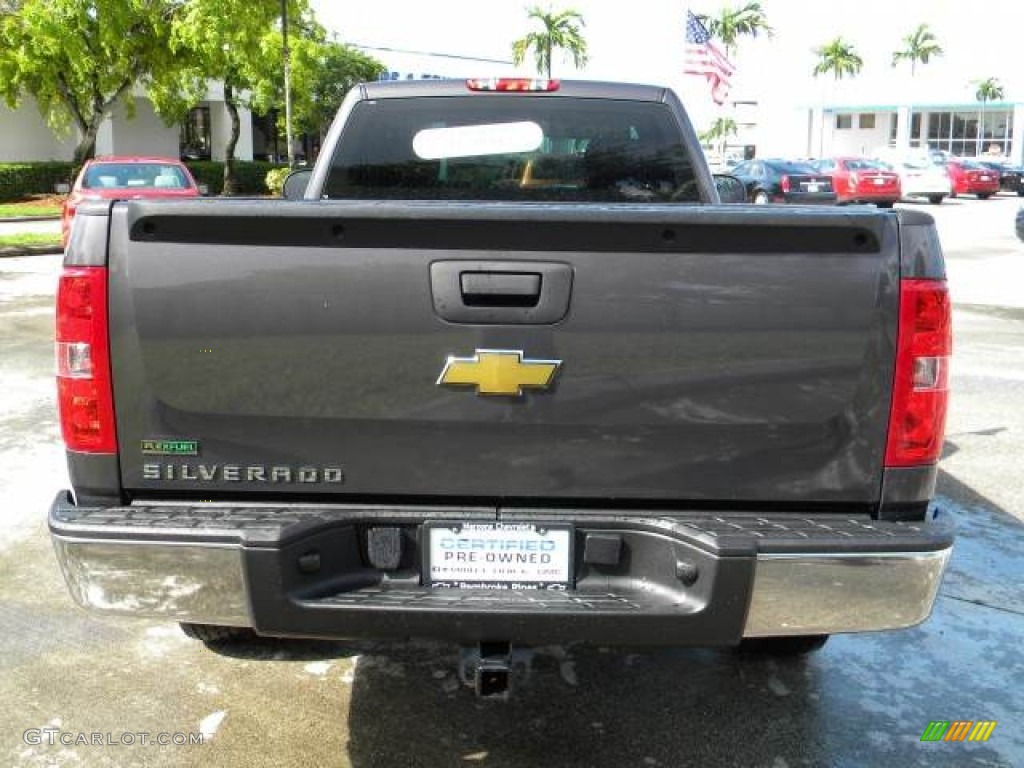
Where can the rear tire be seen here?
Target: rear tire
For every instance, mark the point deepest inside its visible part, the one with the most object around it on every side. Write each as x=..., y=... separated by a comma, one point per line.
x=212, y=633
x=790, y=645
x=984, y=195
x=935, y=199
x=884, y=205
x=760, y=198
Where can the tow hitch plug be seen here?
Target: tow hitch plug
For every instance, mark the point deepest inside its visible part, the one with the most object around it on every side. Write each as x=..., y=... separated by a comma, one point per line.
x=491, y=668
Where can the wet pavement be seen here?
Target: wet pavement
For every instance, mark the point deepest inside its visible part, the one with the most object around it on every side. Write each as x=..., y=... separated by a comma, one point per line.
x=862, y=701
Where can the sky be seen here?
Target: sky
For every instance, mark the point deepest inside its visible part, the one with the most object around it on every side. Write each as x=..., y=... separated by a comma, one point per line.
x=643, y=41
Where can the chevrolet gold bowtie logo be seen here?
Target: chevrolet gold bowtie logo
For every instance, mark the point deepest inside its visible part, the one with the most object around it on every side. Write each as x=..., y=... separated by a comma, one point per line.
x=499, y=372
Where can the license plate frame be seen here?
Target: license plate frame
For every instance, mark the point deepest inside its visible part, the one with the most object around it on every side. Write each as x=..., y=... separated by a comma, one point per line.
x=509, y=555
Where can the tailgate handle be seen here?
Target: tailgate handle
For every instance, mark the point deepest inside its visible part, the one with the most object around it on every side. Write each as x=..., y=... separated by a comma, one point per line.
x=500, y=292
x=500, y=289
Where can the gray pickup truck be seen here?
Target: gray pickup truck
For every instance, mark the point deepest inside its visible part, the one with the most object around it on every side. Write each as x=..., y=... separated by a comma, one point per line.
x=510, y=373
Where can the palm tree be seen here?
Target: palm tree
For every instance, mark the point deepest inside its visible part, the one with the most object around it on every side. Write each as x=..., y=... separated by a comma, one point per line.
x=919, y=46
x=729, y=26
x=988, y=90
x=838, y=58
x=560, y=30
x=719, y=132
x=733, y=23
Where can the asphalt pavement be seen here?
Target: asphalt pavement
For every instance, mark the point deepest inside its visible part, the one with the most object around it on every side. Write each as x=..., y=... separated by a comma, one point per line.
x=865, y=700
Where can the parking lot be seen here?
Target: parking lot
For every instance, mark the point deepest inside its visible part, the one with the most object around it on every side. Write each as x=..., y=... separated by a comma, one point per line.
x=863, y=700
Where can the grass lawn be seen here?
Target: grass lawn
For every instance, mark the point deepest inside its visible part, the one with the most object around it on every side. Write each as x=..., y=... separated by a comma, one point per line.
x=29, y=238
x=38, y=205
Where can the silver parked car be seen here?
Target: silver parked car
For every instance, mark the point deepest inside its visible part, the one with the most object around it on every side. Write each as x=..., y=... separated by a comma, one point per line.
x=919, y=175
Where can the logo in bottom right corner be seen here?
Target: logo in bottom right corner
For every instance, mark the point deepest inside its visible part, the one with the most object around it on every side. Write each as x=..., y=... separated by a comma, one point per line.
x=958, y=730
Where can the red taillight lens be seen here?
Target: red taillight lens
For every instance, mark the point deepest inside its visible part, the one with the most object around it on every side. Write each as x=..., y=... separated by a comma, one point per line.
x=84, y=394
x=784, y=183
x=917, y=422
x=511, y=84
x=66, y=217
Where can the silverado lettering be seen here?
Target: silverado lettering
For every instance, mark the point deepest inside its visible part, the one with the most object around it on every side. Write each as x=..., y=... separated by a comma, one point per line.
x=240, y=473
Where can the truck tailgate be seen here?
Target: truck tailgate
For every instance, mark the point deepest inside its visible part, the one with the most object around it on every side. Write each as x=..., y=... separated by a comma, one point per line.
x=704, y=355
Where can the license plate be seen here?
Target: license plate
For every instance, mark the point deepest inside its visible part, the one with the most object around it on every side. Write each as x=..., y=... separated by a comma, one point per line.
x=813, y=187
x=491, y=555
x=879, y=182
x=985, y=178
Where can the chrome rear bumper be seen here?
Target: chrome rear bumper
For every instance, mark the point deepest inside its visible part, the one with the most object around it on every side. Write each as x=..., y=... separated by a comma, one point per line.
x=220, y=576
x=811, y=595
x=195, y=583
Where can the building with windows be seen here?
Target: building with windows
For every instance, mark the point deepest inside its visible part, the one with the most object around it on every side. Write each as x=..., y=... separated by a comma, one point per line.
x=203, y=135
x=961, y=129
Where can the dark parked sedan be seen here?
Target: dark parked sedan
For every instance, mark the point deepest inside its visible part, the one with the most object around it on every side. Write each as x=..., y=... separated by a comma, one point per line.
x=784, y=181
x=1011, y=177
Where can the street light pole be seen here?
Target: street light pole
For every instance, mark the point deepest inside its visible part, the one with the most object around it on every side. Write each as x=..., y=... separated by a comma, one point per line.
x=287, y=84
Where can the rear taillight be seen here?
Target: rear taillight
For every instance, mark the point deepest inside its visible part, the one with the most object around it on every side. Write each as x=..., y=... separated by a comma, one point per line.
x=84, y=395
x=511, y=84
x=67, y=216
x=917, y=422
x=784, y=183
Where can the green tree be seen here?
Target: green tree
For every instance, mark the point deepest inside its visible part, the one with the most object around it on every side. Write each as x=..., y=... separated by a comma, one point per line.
x=839, y=59
x=719, y=132
x=920, y=46
x=733, y=23
x=561, y=30
x=323, y=72
x=228, y=41
x=78, y=58
x=989, y=89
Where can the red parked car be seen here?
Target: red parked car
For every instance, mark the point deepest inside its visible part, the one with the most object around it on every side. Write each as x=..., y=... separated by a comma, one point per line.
x=862, y=180
x=969, y=177
x=127, y=178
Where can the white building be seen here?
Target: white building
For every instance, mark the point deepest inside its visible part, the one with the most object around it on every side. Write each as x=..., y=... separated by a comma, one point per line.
x=959, y=128
x=204, y=134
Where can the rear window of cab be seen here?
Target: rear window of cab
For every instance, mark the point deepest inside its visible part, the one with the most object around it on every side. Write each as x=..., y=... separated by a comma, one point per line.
x=134, y=175
x=504, y=147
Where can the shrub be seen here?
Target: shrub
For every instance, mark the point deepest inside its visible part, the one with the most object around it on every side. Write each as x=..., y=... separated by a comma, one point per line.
x=275, y=180
x=250, y=177
x=19, y=180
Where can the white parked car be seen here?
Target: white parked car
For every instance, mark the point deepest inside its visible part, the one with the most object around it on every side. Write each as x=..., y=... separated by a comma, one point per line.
x=919, y=175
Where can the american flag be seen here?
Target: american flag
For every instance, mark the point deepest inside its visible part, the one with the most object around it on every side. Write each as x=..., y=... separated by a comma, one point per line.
x=705, y=58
